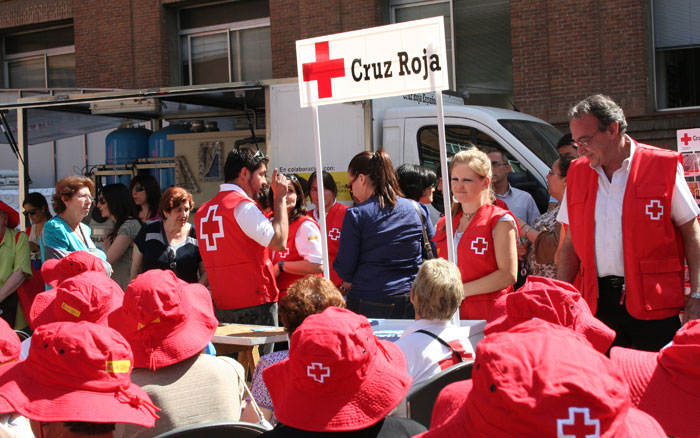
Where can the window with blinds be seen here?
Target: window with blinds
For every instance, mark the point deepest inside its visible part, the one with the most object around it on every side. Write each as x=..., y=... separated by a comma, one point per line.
x=677, y=52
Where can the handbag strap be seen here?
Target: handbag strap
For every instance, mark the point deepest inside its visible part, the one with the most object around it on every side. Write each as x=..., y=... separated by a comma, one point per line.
x=422, y=223
x=241, y=380
x=442, y=341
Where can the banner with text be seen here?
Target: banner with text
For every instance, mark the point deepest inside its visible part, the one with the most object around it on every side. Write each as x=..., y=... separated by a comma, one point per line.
x=377, y=62
x=689, y=146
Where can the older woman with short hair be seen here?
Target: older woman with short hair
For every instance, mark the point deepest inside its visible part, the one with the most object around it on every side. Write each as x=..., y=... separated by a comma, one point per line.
x=65, y=233
x=171, y=243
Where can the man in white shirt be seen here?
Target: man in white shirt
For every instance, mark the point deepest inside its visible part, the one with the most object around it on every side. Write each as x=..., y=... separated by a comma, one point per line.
x=519, y=202
x=632, y=223
x=234, y=237
x=433, y=343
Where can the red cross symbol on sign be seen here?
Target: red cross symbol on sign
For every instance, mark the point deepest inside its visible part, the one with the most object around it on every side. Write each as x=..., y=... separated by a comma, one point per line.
x=323, y=70
x=480, y=245
x=211, y=228
x=655, y=210
x=686, y=139
x=578, y=429
x=334, y=233
x=318, y=372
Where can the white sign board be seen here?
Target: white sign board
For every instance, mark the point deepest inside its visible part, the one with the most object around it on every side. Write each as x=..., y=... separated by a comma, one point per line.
x=381, y=61
x=688, y=140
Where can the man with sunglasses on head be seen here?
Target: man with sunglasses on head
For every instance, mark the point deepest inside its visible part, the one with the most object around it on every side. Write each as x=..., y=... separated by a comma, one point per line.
x=632, y=224
x=15, y=266
x=234, y=236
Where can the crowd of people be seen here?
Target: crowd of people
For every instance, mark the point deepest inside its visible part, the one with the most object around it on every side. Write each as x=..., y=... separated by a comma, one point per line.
x=600, y=340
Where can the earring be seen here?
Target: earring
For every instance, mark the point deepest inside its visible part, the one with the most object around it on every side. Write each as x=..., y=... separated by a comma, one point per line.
x=454, y=200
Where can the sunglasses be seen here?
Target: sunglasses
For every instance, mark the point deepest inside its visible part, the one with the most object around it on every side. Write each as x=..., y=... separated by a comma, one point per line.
x=101, y=201
x=139, y=188
x=31, y=212
x=258, y=154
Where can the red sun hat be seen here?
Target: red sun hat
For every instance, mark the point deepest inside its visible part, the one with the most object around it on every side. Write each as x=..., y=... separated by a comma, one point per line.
x=89, y=296
x=554, y=301
x=166, y=320
x=10, y=345
x=541, y=380
x=54, y=271
x=666, y=384
x=77, y=372
x=12, y=215
x=338, y=376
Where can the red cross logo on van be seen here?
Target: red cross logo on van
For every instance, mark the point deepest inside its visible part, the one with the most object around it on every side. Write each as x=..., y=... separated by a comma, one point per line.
x=323, y=70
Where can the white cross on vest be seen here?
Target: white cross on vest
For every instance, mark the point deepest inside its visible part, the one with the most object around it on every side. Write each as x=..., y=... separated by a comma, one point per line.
x=480, y=245
x=211, y=228
x=334, y=233
x=655, y=210
x=570, y=428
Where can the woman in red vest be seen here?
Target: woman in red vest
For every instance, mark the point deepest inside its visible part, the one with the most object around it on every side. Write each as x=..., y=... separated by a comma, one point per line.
x=303, y=255
x=335, y=213
x=485, y=235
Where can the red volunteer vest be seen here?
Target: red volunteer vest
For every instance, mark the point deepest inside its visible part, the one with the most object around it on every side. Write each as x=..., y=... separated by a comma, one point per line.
x=239, y=269
x=476, y=258
x=291, y=254
x=334, y=223
x=652, y=247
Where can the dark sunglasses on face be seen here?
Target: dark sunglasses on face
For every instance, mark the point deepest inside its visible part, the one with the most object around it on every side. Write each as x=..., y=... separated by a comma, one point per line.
x=31, y=212
x=101, y=201
x=139, y=189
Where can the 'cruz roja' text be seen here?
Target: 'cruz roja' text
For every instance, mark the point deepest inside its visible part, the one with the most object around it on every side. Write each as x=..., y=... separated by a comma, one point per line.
x=407, y=66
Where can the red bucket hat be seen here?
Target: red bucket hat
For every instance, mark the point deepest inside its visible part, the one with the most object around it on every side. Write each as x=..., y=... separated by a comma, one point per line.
x=338, y=377
x=165, y=319
x=77, y=372
x=10, y=345
x=540, y=380
x=89, y=296
x=12, y=215
x=666, y=384
x=554, y=301
x=54, y=271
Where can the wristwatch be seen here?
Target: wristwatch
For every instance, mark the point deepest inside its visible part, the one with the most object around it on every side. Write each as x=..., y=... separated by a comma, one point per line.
x=695, y=295
x=280, y=265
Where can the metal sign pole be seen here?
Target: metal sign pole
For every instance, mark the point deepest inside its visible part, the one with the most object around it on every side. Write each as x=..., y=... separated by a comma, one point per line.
x=319, y=187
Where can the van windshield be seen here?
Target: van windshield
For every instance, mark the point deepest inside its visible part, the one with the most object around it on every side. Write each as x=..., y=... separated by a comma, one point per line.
x=540, y=138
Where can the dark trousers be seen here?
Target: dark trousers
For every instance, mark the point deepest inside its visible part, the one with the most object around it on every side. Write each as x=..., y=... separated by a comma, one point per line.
x=631, y=332
x=263, y=314
x=391, y=307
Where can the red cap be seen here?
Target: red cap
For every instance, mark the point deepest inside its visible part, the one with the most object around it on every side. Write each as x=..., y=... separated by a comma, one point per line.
x=338, y=376
x=77, y=372
x=12, y=215
x=166, y=320
x=541, y=380
x=554, y=301
x=10, y=345
x=666, y=384
x=55, y=271
x=89, y=296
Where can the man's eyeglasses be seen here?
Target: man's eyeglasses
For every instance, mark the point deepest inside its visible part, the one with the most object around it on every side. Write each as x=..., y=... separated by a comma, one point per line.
x=30, y=212
x=139, y=189
x=585, y=141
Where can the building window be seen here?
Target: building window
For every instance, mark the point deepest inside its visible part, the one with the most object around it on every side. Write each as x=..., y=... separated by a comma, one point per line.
x=40, y=59
x=677, y=53
x=479, y=31
x=226, y=42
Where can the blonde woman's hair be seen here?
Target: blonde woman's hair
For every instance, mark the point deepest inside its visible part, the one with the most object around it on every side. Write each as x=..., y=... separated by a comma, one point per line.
x=437, y=291
x=480, y=163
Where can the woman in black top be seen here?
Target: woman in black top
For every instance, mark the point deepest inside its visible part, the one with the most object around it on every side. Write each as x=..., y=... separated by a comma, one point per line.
x=171, y=243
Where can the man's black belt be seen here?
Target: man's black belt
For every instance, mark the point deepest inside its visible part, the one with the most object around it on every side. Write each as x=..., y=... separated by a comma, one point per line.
x=612, y=282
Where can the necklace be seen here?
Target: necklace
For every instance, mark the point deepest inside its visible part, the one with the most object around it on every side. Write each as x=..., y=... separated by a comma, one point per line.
x=468, y=216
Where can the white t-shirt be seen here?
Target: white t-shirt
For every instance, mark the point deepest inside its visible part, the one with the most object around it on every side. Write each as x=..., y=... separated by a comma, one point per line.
x=424, y=353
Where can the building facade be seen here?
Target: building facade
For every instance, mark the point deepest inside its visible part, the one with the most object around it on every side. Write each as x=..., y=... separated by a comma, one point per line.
x=539, y=56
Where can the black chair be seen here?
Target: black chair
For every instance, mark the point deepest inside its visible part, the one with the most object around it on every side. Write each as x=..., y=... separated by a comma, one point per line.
x=421, y=398
x=232, y=429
